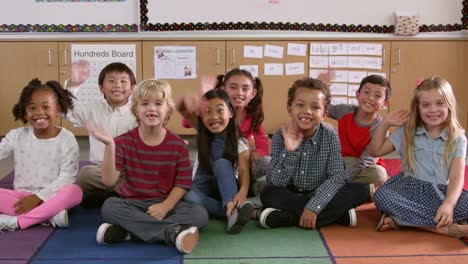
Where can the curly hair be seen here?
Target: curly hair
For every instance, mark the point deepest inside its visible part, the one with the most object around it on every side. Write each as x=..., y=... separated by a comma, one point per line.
x=311, y=84
x=64, y=98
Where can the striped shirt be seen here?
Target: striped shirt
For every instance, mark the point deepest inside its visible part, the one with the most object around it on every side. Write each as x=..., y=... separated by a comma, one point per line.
x=315, y=167
x=151, y=171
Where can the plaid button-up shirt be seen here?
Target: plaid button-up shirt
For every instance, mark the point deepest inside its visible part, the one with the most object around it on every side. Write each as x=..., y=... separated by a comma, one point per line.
x=315, y=167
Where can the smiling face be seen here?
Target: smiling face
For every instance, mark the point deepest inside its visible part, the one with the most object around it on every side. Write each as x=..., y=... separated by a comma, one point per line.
x=116, y=88
x=216, y=115
x=152, y=111
x=433, y=109
x=42, y=113
x=240, y=90
x=307, y=110
x=371, y=98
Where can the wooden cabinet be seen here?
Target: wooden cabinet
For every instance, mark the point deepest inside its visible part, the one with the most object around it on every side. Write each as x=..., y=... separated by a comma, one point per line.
x=210, y=60
x=21, y=62
x=275, y=87
x=414, y=60
x=64, y=51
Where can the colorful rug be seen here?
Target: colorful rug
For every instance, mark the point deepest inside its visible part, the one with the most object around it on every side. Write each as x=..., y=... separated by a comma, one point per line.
x=334, y=244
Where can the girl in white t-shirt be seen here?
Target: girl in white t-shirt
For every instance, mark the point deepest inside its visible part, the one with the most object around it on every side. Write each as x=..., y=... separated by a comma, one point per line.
x=46, y=160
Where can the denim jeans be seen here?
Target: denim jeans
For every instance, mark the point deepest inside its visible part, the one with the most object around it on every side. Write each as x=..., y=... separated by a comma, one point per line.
x=214, y=191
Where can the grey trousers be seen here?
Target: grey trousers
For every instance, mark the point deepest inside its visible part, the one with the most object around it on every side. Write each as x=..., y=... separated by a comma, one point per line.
x=131, y=215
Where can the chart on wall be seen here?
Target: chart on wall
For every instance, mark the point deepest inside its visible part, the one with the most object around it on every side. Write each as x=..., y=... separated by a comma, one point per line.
x=98, y=56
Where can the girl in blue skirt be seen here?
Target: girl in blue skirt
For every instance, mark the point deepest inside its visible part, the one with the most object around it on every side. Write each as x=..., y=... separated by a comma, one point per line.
x=428, y=192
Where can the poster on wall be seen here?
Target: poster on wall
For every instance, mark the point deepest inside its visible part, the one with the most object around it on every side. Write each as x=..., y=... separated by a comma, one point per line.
x=175, y=62
x=98, y=56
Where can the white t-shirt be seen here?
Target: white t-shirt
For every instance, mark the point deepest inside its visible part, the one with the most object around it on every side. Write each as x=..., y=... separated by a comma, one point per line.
x=116, y=121
x=42, y=166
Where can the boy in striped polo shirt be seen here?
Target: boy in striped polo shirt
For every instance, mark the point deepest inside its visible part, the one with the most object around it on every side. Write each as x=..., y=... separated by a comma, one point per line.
x=156, y=174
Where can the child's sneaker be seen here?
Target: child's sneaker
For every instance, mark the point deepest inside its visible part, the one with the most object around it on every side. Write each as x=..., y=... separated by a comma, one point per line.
x=271, y=217
x=349, y=219
x=187, y=238
x=239, y=218
x=109, y=234
x=8, y=222
x=60, y=219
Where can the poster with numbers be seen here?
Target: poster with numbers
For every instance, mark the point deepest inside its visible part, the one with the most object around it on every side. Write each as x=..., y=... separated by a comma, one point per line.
x=98, y=56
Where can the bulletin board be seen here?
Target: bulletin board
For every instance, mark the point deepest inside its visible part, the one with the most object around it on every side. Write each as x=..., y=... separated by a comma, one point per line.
x=370, y=16
x=69, y=16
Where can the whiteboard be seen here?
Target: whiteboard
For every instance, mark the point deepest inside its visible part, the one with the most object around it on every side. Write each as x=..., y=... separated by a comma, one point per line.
x=348, y=12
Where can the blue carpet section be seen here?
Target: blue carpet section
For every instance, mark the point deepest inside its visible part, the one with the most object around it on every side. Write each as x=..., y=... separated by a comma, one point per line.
x=77, y=244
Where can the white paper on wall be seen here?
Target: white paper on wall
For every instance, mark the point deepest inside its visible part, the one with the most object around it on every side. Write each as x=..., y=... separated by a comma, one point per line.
x=253, y=52
x=294, y=68
x=273, y=69
x=295, y=49
x=335, y=100
x=99, y=56
x=356, y=76
x=318, y=62
x=338, y=62
x=352, y=89
x=338, y=49
x=365, y=63
x=253, y=69
x=273, y=51
x=339, y=89
x=175, y=62
x=314, y=73
x=365, y=49
x=340, y=76
x=318, y=49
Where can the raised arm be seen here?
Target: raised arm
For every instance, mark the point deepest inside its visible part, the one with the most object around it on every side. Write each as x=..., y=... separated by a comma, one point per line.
x=110, y=174
x=380, y=144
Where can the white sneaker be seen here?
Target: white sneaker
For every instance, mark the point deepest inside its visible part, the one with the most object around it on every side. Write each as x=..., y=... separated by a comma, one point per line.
x=352, y=218
x=60, y=219
x=8, y=222
x=187, y=239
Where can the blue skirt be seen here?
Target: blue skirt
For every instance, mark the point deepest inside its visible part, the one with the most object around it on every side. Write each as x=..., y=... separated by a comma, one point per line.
x=412, y=202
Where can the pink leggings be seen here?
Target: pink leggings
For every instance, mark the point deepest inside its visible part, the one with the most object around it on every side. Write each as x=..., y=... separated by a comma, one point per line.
x=67, y=197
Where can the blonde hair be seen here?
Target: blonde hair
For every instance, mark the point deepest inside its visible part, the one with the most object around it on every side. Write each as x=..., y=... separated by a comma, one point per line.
x=153, y=89
x=451, y=124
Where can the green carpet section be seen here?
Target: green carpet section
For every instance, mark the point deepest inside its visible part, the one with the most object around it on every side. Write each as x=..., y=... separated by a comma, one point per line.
x=256, y=245
x=260, y=261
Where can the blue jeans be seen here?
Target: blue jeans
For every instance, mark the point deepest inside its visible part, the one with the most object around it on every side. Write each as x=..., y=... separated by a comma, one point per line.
x=215, y=191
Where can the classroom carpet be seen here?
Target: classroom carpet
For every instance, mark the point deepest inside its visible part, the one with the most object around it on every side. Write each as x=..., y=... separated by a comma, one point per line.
x=334, y=244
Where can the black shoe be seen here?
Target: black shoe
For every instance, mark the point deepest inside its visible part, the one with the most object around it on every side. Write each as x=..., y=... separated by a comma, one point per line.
x=109, y=234
x=239, y=218
x=349, y=219
x=271, y=217
x=96, y=199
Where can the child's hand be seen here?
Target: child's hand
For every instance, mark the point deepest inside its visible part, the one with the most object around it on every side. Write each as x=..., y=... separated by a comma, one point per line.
x=308, y=219
x=158, y=211
x=398, y=117
x=26, y=204
x=327, y=77
x=239, y=198
x=208, y=82
x=292, y=137
x=100, y=133
x=444, y=215
x=79, y=73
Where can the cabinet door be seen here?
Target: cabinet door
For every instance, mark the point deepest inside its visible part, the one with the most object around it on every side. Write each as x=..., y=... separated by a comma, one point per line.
x=23, y=61
x=414, y=60
x=65, y=63
x=210, y=58
x=275, y=87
